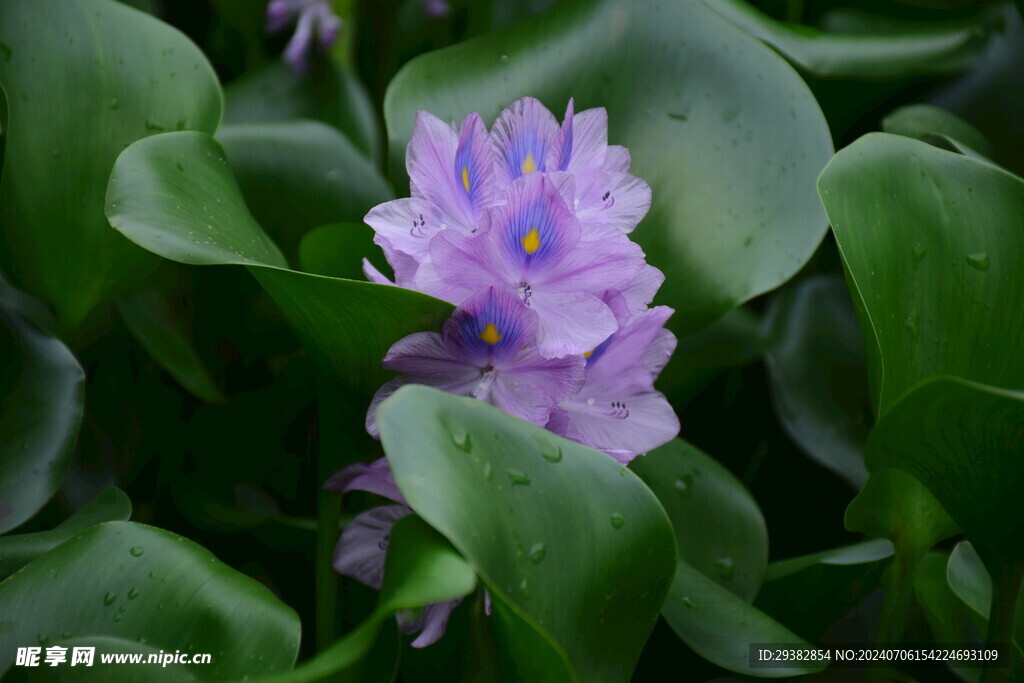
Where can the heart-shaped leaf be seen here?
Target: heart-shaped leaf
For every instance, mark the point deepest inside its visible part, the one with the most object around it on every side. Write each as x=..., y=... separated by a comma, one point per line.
x=297, y=175
x=523, y=506
x=174, y=195
x=110, y=581
x=18, y=550
x=942, y=50
x=730, y=152
x=927, y=122
x=723, y=556
x=815, y=361
x=142, y=76
x=42, y=386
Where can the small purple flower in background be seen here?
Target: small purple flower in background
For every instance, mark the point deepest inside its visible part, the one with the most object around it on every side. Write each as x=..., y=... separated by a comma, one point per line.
x=435, y=8
x=315, y=22
x=525, y=228
x=362, y=550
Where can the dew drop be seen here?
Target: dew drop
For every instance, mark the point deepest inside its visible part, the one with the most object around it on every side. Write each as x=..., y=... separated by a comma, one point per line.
x=133, y=593
x=919, y=252
x=108, y=599
x=136, y=551
x=517, y=477
x=617, y=520
x=488, y=471
x=551, y=452
x=978, y=260
x=462, y=440
x=725, y=568
x=684, y=484
x=688, y=602
x=911, y=323
x=537, y=552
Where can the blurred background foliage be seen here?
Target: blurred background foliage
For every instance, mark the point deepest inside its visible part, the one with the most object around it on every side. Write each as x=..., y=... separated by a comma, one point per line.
x=202, y=404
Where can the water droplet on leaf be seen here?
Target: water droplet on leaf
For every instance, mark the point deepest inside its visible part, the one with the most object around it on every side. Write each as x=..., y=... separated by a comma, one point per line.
x=517, y=477
x=978, y=260
x=617, y=520
x=725, y=568
x=537, y=552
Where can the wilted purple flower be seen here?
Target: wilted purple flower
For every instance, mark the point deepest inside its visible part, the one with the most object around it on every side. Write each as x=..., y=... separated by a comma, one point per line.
x=485, y=351
x=535, y=245
x=617, y=410
x=362, y=549
x=315, y=22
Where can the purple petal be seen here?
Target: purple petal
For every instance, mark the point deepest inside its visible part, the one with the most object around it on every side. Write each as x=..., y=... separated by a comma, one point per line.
x=594, y=266
x=659, y=352
x=426, y=355
x=474, y=166
x=374, y=275
x=522, y=135
x=435, y=8
x=297, y=49
x=534, y=232
x=328, y=25
x=582, y=142
x=433, y=621
x=405, y=226
x=279, y=13
x=430, y=161
x=620, y=424
x=571, y=324
x=490, y=328
x=610, y=198
x=468, y=263
x=532, y=385
x=640, y=292
x=374, y=477
x=619, y=366
x=363, y=545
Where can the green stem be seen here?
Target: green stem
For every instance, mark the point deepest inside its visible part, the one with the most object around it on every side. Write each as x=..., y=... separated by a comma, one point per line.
x=1006, y=586
x=898, y=583
x=328, y=514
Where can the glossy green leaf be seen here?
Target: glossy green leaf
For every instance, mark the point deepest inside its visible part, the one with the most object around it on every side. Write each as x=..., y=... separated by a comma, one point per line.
x=949, y=620
x=297, y=175
x=174, y=195
x=41, y=399
x=720, y=626
x=338, y=250
x=970, y=581
x=110, y=581
x=721, y=237
x=160, y=319
x=894, y=505
x=927, y=122
x=421, y=569
x=18, y=550
x=878, y=57
x=492, y=484
x=931, y=241
x=719, y=528
x=723, y=556
x=812, y=592
x=815, y=361
x=328, y=93
x=121, y=75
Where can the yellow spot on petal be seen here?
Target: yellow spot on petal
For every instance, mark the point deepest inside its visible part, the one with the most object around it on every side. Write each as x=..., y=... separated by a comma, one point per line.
x=529, y=165
x=465, y=178
x=587, y=354
x=491, y=334
x=531, y=242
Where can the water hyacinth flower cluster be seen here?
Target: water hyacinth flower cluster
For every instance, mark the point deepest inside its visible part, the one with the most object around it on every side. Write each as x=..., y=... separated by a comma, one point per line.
x=525, y=228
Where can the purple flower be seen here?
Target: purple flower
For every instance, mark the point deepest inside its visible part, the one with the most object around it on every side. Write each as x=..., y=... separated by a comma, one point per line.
x=451, y=176
x=531, y=221
x=362, y=549
x=435, y=8
x=315, y=21
x=485, y=351
x=617, y=410
x=535, y=245
x=605, y=196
